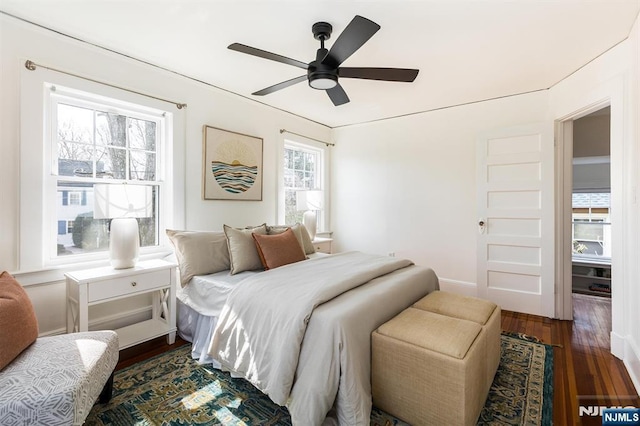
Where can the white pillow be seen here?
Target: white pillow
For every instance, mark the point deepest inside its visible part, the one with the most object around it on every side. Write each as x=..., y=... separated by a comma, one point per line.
x=243, y=253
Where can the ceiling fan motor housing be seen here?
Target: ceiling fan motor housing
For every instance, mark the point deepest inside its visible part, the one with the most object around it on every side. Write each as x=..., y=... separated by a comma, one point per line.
x=322, y=76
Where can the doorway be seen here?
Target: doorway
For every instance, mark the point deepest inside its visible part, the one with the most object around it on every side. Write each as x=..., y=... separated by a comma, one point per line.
x=583, y=207
x=591, y=204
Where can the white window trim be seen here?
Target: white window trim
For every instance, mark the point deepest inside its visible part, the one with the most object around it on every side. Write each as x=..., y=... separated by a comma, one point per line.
x=35, y=149
x=324, y=225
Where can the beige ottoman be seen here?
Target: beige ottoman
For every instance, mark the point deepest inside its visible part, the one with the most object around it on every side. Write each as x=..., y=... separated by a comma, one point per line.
x=480, y=311
x=429, y=369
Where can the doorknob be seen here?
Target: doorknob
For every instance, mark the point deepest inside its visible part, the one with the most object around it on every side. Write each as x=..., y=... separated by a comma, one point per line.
x=481, y=223
x=481, y=226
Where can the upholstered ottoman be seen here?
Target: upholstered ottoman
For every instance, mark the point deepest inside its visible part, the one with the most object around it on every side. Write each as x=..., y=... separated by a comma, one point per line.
x=57, y=379
x=480, y=311
x=429, y=369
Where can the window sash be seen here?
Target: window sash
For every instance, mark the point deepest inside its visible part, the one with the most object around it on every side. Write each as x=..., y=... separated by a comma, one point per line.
x=57, y=99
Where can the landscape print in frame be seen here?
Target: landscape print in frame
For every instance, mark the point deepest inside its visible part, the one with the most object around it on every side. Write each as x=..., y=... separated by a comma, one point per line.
x=232, y=166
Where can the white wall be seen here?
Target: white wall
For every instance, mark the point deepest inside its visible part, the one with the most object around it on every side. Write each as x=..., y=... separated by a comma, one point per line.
x=20, y=41
x=408, y=185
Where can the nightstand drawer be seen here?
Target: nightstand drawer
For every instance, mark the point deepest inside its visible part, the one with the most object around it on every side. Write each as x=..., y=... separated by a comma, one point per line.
x=322, y=246
x=99, y=290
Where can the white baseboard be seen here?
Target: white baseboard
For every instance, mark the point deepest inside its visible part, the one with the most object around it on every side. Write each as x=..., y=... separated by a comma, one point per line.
x=459, y=287
x=110, y=322
x=632, y=362
x=617, y=345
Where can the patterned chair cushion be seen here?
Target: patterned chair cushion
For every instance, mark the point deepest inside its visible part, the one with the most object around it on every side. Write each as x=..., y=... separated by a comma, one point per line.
x=57, y=379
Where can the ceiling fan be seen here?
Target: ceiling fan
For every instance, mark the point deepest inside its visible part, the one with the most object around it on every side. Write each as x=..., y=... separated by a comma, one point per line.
x=324, y=71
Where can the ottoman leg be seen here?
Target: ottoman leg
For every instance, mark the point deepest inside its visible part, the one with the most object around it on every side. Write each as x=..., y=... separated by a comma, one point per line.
x=107, y=391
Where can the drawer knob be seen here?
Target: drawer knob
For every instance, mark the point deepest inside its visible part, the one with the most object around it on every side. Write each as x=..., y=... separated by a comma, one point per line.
x=133, y=283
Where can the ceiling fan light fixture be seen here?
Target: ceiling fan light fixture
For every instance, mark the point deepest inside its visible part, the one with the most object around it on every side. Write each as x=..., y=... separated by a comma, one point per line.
x=324, y=83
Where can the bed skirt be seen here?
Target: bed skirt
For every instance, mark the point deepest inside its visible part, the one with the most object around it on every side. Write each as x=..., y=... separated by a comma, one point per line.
x=197, y=329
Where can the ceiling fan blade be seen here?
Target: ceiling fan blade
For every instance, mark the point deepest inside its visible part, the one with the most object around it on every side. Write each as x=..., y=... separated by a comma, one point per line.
x=338, y=95
x=267, y=55
x=280, y=86
x=385, y=74
x=352, y=38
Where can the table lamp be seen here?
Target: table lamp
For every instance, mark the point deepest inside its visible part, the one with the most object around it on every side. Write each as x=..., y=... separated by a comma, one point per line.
x=309, y=202
x=123, y=204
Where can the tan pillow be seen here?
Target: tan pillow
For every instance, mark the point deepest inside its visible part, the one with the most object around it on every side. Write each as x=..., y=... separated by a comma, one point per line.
x=199, y=252
x=279, y=249
x=306, y=240
x=301, y=233
x=279, y=229
x=18, y=323
x=242, y=249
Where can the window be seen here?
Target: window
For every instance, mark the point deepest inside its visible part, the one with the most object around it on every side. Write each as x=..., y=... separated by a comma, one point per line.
x=75, y=198
x=99, y=140
x=591, y=227
x=304, y=169
x=52, y=167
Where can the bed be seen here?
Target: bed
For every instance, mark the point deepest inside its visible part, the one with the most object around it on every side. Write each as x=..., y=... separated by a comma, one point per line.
x=243, y=322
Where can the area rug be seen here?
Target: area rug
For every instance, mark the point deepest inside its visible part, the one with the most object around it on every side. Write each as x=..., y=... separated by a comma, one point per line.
x=173, y=389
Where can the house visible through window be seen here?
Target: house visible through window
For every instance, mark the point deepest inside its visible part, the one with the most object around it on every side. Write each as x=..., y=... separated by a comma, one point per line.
x=100, y=141
x=75, y=198
x=591, y=225
x=303, y=170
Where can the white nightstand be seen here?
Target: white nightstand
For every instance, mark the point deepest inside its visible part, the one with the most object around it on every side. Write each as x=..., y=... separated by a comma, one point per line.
x=322, y=245
x=99, y=285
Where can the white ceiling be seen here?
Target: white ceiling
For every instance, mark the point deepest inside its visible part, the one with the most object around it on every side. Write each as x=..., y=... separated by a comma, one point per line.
x=466, y=51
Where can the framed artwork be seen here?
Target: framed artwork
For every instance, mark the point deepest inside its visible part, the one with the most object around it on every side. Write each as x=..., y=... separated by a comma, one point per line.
x=232, y=166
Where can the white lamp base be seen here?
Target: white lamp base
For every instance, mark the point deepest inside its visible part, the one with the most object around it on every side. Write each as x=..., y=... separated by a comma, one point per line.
x=310, y=222
x=124, y=242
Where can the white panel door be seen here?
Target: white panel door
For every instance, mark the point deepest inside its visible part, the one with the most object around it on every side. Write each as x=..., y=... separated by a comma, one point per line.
x=515, y=219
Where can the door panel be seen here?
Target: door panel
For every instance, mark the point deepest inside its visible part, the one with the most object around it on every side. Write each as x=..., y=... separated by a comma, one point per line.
x=515, y=241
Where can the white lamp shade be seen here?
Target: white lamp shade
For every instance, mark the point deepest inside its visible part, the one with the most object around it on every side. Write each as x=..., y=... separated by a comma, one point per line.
x=117, y=200
x=309, y=200
x=123, y=204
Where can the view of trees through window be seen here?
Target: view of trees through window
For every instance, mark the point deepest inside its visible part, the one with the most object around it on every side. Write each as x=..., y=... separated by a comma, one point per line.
x=95, y=144
x=302, y=171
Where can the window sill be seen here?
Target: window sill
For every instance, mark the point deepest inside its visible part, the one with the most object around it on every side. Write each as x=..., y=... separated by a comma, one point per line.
x=53, y=274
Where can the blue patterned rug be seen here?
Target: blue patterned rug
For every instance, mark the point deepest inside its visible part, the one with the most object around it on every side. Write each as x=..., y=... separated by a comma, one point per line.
x=172, y=389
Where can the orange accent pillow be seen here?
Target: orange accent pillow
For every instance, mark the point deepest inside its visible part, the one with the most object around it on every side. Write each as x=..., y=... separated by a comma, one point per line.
x=18, y=323
x=279, y=249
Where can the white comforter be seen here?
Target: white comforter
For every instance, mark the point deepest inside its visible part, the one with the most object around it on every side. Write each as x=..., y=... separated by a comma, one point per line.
x=261, y=331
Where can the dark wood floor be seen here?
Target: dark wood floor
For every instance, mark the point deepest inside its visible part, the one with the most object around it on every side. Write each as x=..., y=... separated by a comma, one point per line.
x=585, y=371
x=146, y=350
